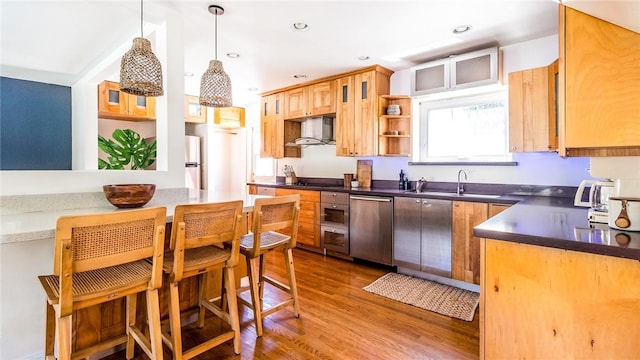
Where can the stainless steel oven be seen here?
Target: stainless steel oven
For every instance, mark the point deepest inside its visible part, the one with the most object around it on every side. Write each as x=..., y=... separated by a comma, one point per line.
x=334, y=221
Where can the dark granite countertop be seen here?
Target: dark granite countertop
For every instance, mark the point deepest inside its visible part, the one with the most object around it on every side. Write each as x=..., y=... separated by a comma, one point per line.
x=539, y=216
x=536, y=221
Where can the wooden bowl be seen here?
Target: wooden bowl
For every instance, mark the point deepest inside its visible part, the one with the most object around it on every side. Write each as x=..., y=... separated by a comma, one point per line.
x=129, y=195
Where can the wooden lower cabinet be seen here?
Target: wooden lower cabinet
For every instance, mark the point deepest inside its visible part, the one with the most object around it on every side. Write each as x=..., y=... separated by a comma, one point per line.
x=309, y=218
x=544, y=303
x=465, y=248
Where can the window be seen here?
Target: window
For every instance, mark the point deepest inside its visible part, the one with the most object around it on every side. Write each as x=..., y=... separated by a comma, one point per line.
x=465, y=129
x=262, y=169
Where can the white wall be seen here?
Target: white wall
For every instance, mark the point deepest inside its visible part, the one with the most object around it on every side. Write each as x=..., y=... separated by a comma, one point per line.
x=170, y=122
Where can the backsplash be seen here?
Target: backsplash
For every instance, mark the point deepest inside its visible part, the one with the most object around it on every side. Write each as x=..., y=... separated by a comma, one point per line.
x=623, y=167
x=532, y=168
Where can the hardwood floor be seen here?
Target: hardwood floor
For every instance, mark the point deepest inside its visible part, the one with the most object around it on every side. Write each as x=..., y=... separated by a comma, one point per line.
x=339, y=320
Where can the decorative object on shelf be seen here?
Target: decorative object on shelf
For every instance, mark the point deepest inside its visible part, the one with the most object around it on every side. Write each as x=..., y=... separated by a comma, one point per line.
x=127, y=150
x=215, y=85
x=126, y=196
x=140, y=69
x=393, y=109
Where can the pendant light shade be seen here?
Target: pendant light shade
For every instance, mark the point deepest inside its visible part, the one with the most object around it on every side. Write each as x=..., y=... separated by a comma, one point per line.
x=140, y=69
x=215, y=84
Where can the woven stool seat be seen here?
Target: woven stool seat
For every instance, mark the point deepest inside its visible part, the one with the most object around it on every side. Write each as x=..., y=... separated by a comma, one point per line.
x=267, y=240
x=107, y=280
x=198, y=257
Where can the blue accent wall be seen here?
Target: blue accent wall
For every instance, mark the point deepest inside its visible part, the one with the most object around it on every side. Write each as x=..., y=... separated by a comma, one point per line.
x=35, y=125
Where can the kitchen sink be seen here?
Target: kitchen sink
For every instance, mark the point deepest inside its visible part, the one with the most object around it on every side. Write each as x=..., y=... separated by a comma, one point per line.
x=444, y=193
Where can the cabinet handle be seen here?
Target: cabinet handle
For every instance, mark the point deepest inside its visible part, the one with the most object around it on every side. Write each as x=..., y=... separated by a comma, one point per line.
x=418, y=201
x=513, y=148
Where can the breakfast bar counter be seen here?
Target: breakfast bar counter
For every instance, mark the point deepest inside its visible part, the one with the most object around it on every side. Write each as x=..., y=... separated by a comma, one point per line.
x=29, y=218
x=27, y=231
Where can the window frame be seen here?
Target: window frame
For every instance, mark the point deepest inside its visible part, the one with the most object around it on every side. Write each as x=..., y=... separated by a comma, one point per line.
x=449, y=100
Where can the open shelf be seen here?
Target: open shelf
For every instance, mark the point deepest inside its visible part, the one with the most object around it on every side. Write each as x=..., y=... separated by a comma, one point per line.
x=394, y=131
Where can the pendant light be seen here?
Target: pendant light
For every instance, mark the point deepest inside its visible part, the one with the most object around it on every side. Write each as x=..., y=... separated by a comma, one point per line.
x=215, y=85
x=140, y=69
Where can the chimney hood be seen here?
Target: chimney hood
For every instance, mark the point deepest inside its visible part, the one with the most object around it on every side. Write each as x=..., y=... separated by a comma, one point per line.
x=317, y=131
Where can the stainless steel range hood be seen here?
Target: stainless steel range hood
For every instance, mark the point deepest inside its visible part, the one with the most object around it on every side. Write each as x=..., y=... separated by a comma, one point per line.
x=317, y=131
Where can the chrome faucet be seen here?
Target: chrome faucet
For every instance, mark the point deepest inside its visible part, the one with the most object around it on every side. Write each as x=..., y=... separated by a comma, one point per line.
x=422, y=183
x=460, y=188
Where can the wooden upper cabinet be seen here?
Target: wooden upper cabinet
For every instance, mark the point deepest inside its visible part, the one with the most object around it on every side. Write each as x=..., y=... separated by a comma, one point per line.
x=357, y=111
x=345, y=110
x=312, y=100
x=322, y=98
x=599, y=87
x=532, y=109
x=296, y=103
x=193, y=111
x=272, y=126
x=115, y=104
x=352, y=97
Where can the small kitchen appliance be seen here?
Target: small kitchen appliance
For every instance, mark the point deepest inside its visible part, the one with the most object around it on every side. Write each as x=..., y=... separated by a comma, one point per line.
x=598, y=203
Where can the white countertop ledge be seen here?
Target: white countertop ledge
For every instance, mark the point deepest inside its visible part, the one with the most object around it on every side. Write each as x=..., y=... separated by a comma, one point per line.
x=34, y=222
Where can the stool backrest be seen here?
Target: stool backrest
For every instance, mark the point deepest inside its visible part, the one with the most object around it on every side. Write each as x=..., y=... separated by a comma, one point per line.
x=102, y=240
x=197, y=225
x=273, y=214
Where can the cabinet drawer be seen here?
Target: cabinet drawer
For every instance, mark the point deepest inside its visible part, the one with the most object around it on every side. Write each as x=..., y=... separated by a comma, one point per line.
x=262, y=190
x=329, y=197
x=305, y=195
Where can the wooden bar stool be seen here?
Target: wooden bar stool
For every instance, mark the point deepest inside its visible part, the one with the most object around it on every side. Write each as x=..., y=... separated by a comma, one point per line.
x=100, y=258
x=269, y=215
x=204, y=238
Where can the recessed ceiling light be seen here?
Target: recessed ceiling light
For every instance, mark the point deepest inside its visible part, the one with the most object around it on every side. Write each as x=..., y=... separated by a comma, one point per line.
x=233, y=55
x=188, y=74
x=300, y=26
x=299, y=76
x=363, y=58
x=253, y=89
x=461, y=29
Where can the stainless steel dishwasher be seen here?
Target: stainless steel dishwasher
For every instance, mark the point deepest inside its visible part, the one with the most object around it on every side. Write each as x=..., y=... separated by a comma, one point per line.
x=422, y=236
x=371, y=228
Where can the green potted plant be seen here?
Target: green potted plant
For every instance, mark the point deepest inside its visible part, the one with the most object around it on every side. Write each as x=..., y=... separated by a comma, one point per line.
x=127, y=150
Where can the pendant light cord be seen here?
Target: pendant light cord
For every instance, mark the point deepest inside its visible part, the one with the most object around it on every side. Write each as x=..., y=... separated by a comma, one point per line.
x=216, y=34
x=141, y=17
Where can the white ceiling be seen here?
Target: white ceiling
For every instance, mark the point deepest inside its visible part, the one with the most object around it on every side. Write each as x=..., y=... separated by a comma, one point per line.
x=60, y=41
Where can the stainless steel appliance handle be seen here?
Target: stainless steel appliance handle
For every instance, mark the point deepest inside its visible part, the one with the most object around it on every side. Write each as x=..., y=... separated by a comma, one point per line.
x=370, y=199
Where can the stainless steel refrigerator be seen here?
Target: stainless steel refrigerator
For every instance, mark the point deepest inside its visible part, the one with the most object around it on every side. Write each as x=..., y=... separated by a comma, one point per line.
x=192, y=173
